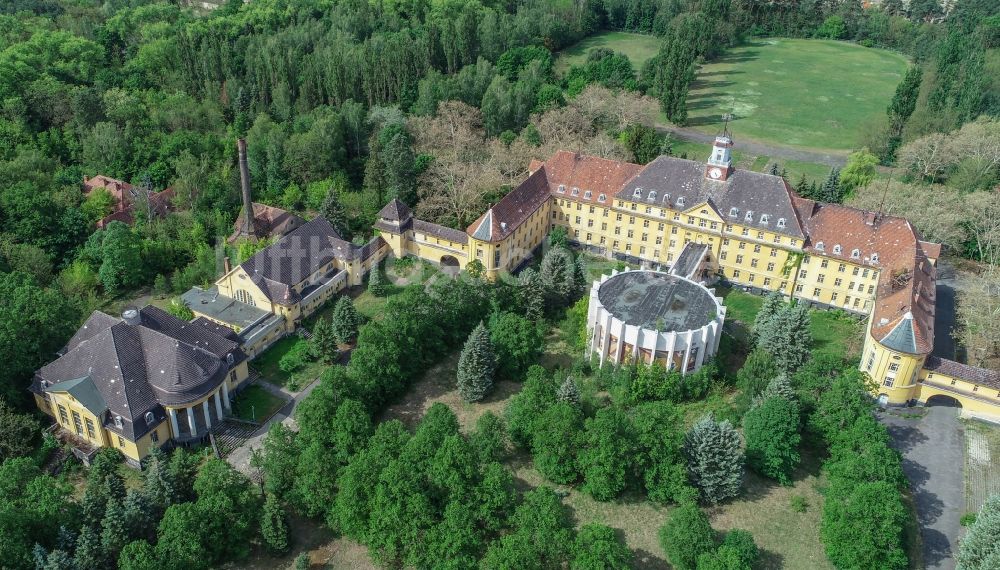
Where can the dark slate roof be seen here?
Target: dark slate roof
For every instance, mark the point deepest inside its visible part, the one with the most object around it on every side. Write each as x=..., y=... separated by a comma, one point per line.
x=654, y=300
x=681, y=184
x=293, y=258
x=954, y=369
x=371, y=247
x=216, y=328
x=139, y=368
x=442, y=232
x=97, y=322
x=512, y=210
x=692, y=254
x=395, y=210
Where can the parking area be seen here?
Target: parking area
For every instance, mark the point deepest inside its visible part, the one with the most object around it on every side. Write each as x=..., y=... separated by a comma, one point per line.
x=932, y=442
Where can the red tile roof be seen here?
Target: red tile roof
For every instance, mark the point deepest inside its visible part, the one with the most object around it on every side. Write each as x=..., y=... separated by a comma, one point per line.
x=268, y=222
x=513, y=209
x=891, y=245
x=584, y=178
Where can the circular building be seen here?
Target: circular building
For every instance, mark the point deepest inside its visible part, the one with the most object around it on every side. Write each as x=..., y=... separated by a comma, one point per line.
x=650, y=316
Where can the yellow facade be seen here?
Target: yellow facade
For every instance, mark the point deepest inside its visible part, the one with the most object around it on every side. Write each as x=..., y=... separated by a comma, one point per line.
x=893, y=373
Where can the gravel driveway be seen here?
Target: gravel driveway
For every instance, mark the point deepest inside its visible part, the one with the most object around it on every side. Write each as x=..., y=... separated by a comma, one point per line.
x=933, y=448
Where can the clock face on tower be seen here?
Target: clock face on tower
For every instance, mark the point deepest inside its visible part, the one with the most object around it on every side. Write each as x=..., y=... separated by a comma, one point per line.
x=715, y=173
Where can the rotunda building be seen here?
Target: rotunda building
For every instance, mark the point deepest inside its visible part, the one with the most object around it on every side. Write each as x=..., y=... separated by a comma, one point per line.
x=651, y=316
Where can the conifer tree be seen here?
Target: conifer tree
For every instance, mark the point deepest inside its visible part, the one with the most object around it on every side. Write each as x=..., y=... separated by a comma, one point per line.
x=476, y=365
x=532, y=294
x=788, y=338
x=138, y=515
x=114, y=528
x=580, y=275
x=376, y=282
x=273, y=526
x=831, y=191
x=569, y=392
x=802, y=186
x=89, y=551
x=345, y=320
x=323, y=344
x=773, y=171
x=158, y=484
x=558, y=276
x=980, y=549
x=779, y=386
x=715, y=459
x=333, y=211
x=773, y=302
x=302, y=561
x=753, y=377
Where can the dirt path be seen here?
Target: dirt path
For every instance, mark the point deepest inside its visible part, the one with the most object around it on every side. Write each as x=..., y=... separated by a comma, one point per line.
x=830, y=158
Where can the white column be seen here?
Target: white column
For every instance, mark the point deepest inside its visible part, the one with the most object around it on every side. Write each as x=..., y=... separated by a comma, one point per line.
x=652, y=350
x=710, y=342
x=606, y=332
x=208, y=419
x=621, y=342
x=671, y=345
x=218, y=404
x=173, y=422
x=225, y=393
x=703, y=346
x=687, y=353
x=194, y=430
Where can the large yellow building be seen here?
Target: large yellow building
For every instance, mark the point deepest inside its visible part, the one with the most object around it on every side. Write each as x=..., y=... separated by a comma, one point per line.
x=755, y=232
x=140, y=382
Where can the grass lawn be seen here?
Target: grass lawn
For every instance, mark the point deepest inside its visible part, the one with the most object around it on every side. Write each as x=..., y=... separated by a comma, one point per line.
x=256, y=404
x=794, y=169
x=638, y=48
x=267, y=365
x=795, y=92
x=982, y=472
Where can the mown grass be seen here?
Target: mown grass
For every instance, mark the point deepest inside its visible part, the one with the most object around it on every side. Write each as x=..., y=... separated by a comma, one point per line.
x=795, y=92
x=637, y=47
x=794, y=169
x=256, y=404
x=268, y=365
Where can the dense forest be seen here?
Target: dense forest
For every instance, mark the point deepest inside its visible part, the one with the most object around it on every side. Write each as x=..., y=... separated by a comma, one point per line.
x=346, y=104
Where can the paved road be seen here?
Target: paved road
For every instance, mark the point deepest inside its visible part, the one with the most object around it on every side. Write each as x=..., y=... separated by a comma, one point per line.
x=833, y=158
x=933, y=449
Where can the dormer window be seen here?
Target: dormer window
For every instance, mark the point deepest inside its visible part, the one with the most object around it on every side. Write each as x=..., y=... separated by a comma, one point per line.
x=680, y=201
x=666, y=198
x=601, y=197
x=118, y=422
x=855, y=253
x=764, y=218
x=588, y=194
x=874, y=258
x=637, y=193
x=781, y=222
x=749, y=216
x=733, y=212
x=149, y=418
x=837, y=249
x=576, y=191
x=562, y=189
x=820, y=246
x=652, y=195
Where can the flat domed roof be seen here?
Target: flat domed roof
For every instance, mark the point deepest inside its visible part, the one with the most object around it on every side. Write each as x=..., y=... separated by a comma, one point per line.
x=658, y=301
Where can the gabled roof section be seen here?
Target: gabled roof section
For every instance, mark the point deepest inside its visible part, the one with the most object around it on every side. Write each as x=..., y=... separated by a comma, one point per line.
x=513, y=209
x=85, y=392
x=679, y=184
x=961, y=371
x=395, y=210
x=268, y=222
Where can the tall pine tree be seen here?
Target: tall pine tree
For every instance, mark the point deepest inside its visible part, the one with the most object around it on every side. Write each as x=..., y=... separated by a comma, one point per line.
x=345, y=320
x=715, y=459
x=333, y=211
x=323, y=344
x=476, y=365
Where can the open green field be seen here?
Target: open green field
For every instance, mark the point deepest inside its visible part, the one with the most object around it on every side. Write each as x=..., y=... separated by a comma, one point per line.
x=794, y=92
x=638, y=48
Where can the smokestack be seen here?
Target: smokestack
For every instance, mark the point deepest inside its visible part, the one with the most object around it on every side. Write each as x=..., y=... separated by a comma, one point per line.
x=248, y=229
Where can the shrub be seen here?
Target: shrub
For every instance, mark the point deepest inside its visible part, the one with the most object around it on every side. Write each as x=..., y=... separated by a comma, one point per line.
x=686, y=535
x=979, y=549
x=863, y=526
x=597, y=546
x=607, y=453
x=799, y=503
x=772, y=437
x=556, y=441
x=296, y=358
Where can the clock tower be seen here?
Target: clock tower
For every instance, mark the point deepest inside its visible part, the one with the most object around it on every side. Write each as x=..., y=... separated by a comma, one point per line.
x=720, y=163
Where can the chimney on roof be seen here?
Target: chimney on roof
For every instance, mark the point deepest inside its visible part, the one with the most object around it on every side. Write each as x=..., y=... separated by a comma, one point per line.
x=226, y=265
x=248, y=229
x=131, y=316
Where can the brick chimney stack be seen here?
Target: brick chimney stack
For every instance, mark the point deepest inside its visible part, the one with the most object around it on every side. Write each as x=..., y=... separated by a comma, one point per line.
x=248, y=229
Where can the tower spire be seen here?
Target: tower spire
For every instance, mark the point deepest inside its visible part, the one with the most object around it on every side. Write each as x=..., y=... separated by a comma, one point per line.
x=720, y=162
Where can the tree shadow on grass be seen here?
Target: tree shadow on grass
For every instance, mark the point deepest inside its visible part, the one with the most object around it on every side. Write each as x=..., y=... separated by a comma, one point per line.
x=646, y=559
x=769, y=559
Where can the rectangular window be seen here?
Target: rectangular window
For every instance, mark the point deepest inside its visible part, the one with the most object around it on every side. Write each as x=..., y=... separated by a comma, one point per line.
x=77, y=423
x=888, y=381
x=838, y=282
x=750, y=279
x=871, y=289
x=630, y=233
x=820, y=278
x=894, y=366
x=774, y=253
x=753, y=263
x=816, y=292
x=756, y=248
x=739, y=259
x=659, y=240
x=767, y=281
x=736, y=274
x=91, y=432
x=722, y=255
x=864, y=273
x=841, y=268
x=770, y=267
x=824, y=263
x=154, y=436
x=742, y=245
x=856, y=270
x=645, y=223
x=63, y=418
x=798, y=288
x=802, y=274
x=673, y=230
x=121, y=441
x=851, y=286
x=833, y=297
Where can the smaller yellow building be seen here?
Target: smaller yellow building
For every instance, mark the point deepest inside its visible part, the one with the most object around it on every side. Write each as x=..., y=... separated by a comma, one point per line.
x=139, y=382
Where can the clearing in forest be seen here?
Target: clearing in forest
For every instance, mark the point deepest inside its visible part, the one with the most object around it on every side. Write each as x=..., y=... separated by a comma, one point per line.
x=638, y=48
x=800, y=93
